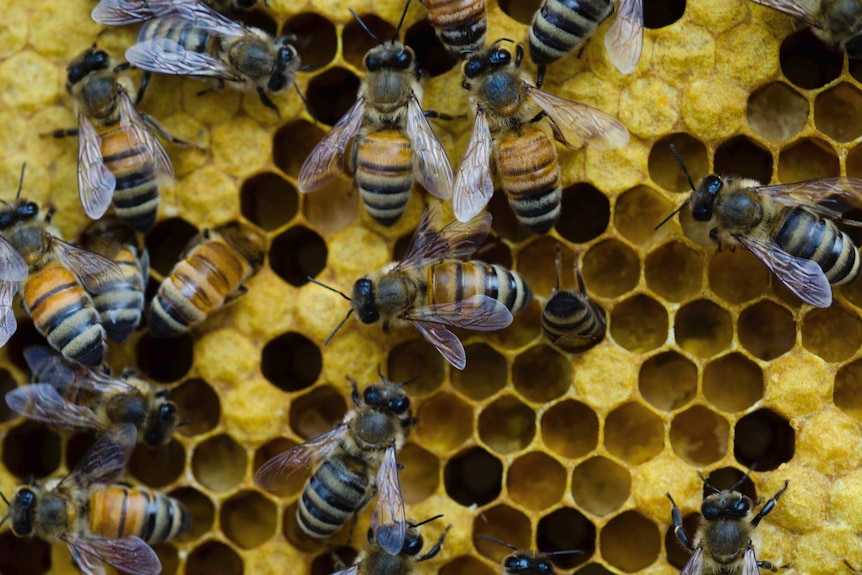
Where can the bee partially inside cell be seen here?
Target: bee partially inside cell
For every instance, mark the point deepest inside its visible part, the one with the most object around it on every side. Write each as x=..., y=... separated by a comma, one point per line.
x=460, y=25
x=570, y=319
x=526, y=562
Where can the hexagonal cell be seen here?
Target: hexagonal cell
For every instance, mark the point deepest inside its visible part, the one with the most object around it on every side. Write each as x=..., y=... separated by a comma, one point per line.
x=473, y=477
x=526, y=327
x=563, y=530
x=634, y=433
x=485, y=374
x=420, y=475
x=611, y=268
x=419, y=362
x=333, y=560
x=199, y=405
x=248, y=519
x=7, y=384
x=763, y=440
x=807, y=159
x=833, y=333
x=668, y=381
x=674, y=271
x=847, y=392
x=729, y=477
x=465, y=565
x=584, y=213
x=507, y=425
x=31, y=450
x=520, y=10
x=316, y=412
x=318, y=40
x=663, y=13
x=268, y=200
x=630, y=542
x=291, y=362
x=505, y=222
x=777, y=112
x=536, y=481
x=292, y=144
x=570, y=429
x=639, y=324
x=807, y=62
x=201, y=511
x=555, y=370
x=166, y=241
x=169, y=557
x=297, y=254
x=733, y=382
x=293, y=484
x=854, y=162
x=503, y=523
x=165, y=360
x=837, y=112
x=742, y=157
x=537, y=263
x=158, y=467
x=638, y=211
x=24, y=556
x=444, y=407
x=699, y=435
x=666, y=171
x=213, y=557
x=703, y=328
x=257, y=19
x=331, y=93
x=767, y=330
x=219, y=463
x=677, y=554
x=357, y=42
x=737, y=276
x=431, y=56
x=600, y=485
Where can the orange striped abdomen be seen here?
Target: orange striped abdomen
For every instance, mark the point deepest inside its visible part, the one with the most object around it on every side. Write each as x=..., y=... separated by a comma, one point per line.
x=136, y=197
x=384, y=174
x=453, y=281
x=121, y=304
x=460, y=24
x=118, y=511
x=529, y=171
x=64, y=313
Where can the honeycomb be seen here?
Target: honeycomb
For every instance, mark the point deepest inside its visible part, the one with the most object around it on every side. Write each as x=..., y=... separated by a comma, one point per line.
x=709, y=364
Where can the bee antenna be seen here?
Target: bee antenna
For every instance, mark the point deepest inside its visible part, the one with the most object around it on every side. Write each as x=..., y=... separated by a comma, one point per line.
x=497, y=541
x=305, y=102
x=742, y=479
x=184, y=422
x=338, y=327
x=429, y=520
x=400, y=22
x=364, y=27
x=20, y=181
x=6, y=501
x=498, y=40
x=706, y=483
x=5, y=517
x=672, y=214
x=565, y=552
x=681, y=165
x=323, y=285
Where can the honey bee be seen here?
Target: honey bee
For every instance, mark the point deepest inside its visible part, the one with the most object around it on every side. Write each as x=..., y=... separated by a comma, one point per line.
x=356, y=461
x=433, y=289
x=459, y=24
x=523, y=562
x=525, y=157
x=52, y=276
x=789, y=227
x=570, y=318
x=559, y=27
x=374, y=560
x=98, y=520
x=722, y=543
x=119, y=157
x=210, y=274
x=392, y=141
x=120, y=305
x=70, y=396
x=837, y=23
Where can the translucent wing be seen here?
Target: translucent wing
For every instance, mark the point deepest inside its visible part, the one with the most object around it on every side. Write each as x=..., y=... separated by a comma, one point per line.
x=624, y=40
x=13, y=268
x=431, y=166
x=95, y=272
x=455, y=240
x=8, y=323
x=130, y=555
x=275, y=473
x=105, y=461
x=326, y=161
x=446, y=342
x=803, y=277
x=830, y=197
x=165, y=56
x=141, y=135
x=42, y=402
x=473, y=185
x=802, y=9
x=749, y=562
x=578, y=125
x=694, y=566
x=352, y=570
x=52, y=368
x=478, y=312
x=96, y=183
x=120, y=12
x=387, y=521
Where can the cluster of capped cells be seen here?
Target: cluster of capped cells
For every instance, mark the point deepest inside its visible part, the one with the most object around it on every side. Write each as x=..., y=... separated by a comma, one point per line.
x=709, y=363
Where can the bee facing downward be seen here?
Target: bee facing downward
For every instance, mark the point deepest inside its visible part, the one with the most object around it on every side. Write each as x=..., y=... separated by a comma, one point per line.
x=523, y=562
x=837, y=23
x=392, y=141
x=98, y=520
x=506, y=107
x=570, y=318
x=722, y=544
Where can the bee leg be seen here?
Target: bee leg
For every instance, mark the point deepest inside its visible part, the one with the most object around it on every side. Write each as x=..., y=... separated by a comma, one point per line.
x=354, y=392
x=61, y=133
x=540, y=75
x=267, y=102
x=50, y=214
x=764, y=511
x=235, y=294
x=166, y=136
x=767, y=565
x=678, y=529
x=434, y=550
x=434, y=114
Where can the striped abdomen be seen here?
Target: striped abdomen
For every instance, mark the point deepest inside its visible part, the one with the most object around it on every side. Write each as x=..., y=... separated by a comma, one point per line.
x=804, y=234
x=560, y=25
x=337, y=490
x=384, y=174
x=529, y=171
x=198, y=286
x=460, y=24
x=119, y=511
x=455, y=281
x=64, y=313
x=573, y=321
x=121, y=304
x=184, y=32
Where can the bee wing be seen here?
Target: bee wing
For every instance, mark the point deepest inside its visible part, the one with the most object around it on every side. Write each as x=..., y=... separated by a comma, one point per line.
x=478, y=312
x=42, y=402
x=326, y=161
x=694, y=566
x=446, y=342
x=804, y=10
x=121, y=12
x=13, y=267
x=803, y=277
x=455, y=240
x=624, y=40
x=274, y=474
x=142, y=137
x=473, y=185
x=387, y=520
x=105, y=461
x=830, y=197
x=431, y=166
x=166, y=56
x=749, y=562
x=130, y=555
x=51, y=368
x=95, y=272
x=96, y=183
x=352, y=570
x=8, y=323
x=578, y=125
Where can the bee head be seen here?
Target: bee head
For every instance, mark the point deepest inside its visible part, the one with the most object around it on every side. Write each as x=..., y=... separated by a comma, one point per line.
x=92, y=60
x=285, y=61
x=391, y=55
x=389, y=396
x=363, y=301
x=703, y=197
x=726, y=504
x=412, y=542
x=165, y=420
x=21, y=511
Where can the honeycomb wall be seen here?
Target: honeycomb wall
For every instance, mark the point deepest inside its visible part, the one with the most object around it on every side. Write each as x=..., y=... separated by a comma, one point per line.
x=709, y=363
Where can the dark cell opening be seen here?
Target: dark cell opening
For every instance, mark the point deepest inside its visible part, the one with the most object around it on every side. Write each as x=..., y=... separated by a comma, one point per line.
x=201, y=510
x=158, y=467
x=807, y=62
x=316, y=39
x=431, y=56
x=763, y=440
x=268, y=200
x=291, y=362
x=198, y=404
x=357, y=42
x=473, y=477
x=330, y=94
x=297, y=254
x=742, y=157
x=167, y=241
x=165, y=360
x=214, y=557
x=584, y=213
x=566, y=529
x=24, y=556
x=31, y=450
x=661, y=13
x=292, y=144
